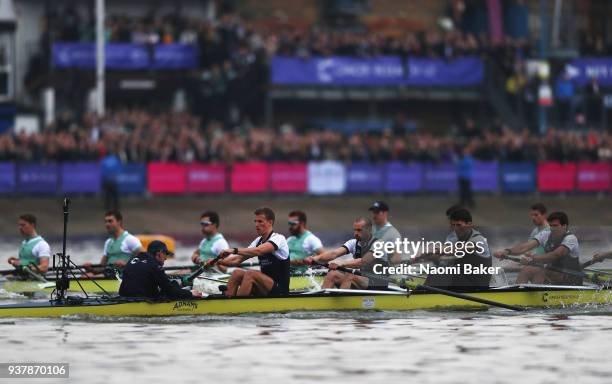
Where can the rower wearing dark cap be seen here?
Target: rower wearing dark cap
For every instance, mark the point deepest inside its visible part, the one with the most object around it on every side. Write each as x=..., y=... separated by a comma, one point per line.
x=143, y=276
x=383, y=230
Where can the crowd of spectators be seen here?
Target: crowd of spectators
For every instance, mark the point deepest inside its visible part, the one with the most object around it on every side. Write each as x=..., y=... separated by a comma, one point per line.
x=138, y=136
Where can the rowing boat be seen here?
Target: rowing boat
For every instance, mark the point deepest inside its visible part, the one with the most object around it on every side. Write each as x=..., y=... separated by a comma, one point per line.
x=102, y=285
x=322, y=300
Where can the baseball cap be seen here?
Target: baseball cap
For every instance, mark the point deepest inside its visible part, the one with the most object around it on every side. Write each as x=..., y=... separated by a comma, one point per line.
x=157, y=246
x=379, y=206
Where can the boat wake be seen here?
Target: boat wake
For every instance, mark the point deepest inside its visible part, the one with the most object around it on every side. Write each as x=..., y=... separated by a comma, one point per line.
x=6, y=295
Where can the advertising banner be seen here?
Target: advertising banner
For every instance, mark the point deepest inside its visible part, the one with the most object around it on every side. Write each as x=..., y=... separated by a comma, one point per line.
x=175, y=56
x=7, y=177
x=594, y=177
x=206, y=178
x=518, y=177
x=463, y=71
x=326, y=178
x=583, y=70
x=378, y=71
x=486, y=176
x=132, y=179
x=126, y=56
x=402, y=177
x=365, y=177
x=441, y=177
x=38, y=178
x=253, y=177
x=556, y=177
x=81, y=178
x=167, y=178
x=289, y=177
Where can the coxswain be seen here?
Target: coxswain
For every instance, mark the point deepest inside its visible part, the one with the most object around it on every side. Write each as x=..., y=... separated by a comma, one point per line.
x=144, y=276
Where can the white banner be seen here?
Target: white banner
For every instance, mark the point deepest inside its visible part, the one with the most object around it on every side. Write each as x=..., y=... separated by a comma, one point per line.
x=326, y=178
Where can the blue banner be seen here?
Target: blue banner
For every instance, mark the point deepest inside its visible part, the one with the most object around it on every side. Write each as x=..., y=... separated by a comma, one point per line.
x=441, y=177
x=125, y=56
x=38, y=178
x=463, y=71
x=583, y=70
x=81, y=178
x=403, y=177
x=380, y=71
x=518, y=177
x=175, y=56
x=364, y=177
x=7, y=177
x=132, y=179
x=486, y=176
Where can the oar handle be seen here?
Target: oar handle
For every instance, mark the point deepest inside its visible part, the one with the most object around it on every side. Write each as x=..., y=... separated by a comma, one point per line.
x=589, y=263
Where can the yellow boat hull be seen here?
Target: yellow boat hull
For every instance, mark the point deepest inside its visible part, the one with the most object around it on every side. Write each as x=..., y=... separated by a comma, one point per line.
x=318, y=302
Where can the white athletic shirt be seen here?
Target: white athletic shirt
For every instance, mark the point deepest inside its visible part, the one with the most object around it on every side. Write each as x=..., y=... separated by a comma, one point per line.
x=351, y=246
x=310, y=244
x=129, y=245
x=282, y=249
x=41, y=249
x=219, y=245
x=570, y=242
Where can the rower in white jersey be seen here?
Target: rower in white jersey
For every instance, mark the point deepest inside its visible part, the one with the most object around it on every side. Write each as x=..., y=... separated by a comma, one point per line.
x=34, y=252
x=302, y=243
x=119, y=248
x=213, y=242
x=383, y=230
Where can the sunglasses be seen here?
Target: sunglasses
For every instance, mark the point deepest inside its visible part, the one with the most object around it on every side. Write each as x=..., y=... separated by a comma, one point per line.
x=205, y=223
x=293, y=222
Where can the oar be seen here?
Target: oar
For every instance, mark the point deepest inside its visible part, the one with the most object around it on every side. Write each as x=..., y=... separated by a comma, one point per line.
x=13, y=271
x=598, y=271
x=187, y=280
x=436, y=290
x=550, y=267
x=589, y=263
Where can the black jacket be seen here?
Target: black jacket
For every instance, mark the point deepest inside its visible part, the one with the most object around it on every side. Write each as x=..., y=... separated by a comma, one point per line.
x=143, y=276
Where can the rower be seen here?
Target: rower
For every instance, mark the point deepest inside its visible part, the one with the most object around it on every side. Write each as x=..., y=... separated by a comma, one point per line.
x=273, y=253
x=383, y=230
x=34, y=251
x=561, y=253
x=213, y=242
x=302, y=243
x=361, y=247
x=121, y=246
x=144, y=276
x=478, y=259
